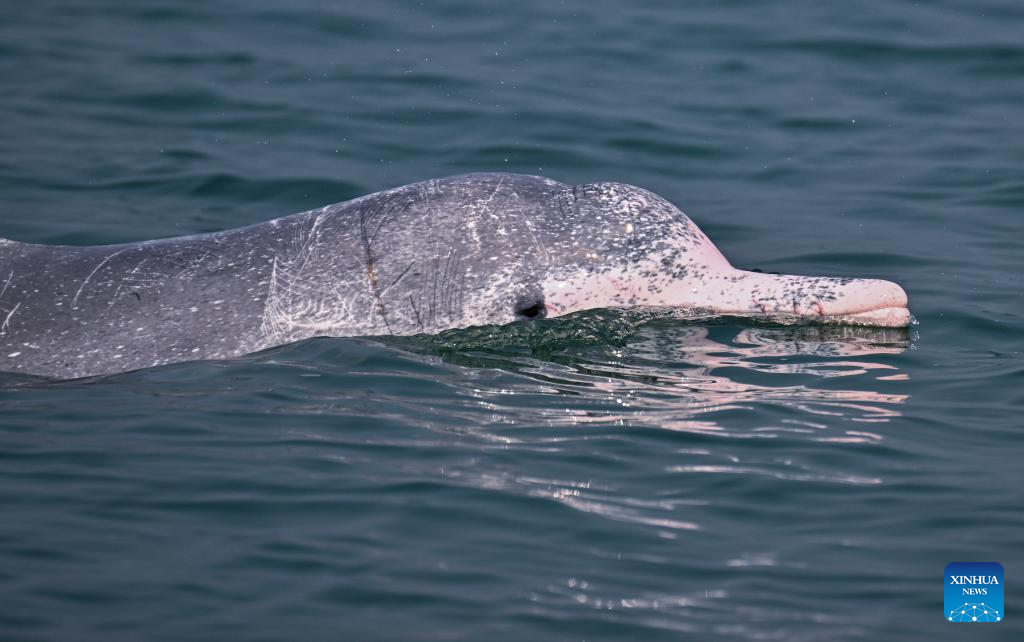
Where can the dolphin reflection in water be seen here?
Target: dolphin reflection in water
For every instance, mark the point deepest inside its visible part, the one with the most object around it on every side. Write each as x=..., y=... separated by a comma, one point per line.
x=680, y=376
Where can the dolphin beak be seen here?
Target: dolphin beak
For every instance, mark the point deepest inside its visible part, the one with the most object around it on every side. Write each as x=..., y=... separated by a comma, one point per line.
x=868, y=302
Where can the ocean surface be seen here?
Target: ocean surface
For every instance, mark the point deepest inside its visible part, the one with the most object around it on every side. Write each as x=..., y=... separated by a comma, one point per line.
x=596, y=478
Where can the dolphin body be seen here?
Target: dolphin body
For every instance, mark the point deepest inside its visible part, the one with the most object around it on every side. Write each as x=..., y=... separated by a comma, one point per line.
x=467, y=250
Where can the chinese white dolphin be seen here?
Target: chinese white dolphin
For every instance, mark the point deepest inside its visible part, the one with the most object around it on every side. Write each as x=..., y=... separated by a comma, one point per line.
x=455, y=252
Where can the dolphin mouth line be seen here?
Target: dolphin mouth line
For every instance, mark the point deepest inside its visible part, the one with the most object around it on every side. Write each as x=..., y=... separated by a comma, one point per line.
x=886, y=317
x=883, y=317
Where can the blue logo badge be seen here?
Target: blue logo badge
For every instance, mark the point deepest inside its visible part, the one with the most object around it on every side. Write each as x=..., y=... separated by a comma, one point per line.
x=974, y=592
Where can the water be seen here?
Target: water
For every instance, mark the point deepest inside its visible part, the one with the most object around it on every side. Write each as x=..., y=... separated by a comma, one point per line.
x=591, y=478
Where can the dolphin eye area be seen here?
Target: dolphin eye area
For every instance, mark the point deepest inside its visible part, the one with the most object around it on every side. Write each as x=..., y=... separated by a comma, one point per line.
x=532, y=312
x=530, y=308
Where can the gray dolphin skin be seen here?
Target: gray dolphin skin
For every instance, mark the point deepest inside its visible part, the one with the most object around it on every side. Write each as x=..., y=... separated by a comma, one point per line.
x=449, y=253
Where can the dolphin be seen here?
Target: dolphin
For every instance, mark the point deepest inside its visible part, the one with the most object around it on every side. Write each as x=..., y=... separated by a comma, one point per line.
x=476, y=249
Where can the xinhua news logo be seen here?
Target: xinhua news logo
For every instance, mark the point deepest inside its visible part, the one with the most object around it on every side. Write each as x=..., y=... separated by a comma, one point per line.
x=974, y=592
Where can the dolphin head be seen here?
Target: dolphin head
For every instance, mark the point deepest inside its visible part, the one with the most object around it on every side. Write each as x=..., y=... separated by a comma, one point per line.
x=488, y=249
x=616, y=245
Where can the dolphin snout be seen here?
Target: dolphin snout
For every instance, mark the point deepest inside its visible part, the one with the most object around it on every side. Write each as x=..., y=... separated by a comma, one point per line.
x=856, y=301
x=869, y=302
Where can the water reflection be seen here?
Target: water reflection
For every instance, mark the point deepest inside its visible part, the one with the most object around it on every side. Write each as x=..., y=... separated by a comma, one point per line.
x=698, y=378
x=637, y=424
x=739, y=406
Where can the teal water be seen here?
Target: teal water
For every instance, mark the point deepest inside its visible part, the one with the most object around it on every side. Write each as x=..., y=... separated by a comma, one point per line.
x=595, y=478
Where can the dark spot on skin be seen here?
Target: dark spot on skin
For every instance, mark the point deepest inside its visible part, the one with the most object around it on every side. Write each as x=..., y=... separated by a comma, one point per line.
x=530, y=306
x=532, y=312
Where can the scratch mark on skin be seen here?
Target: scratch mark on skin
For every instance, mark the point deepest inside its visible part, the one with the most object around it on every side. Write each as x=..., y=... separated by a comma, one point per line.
x=269, y=326
x=136, y=269
x=528, y=224
x=130, y=277
x=433, y=290
x=416, y=312
x=493, y=194
x=10, y=314
x=376, y=291
x=447, y=287
x=6, y=283
x=364, y=236
x=96, y=269
x=397, y=279
x=391, y=208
